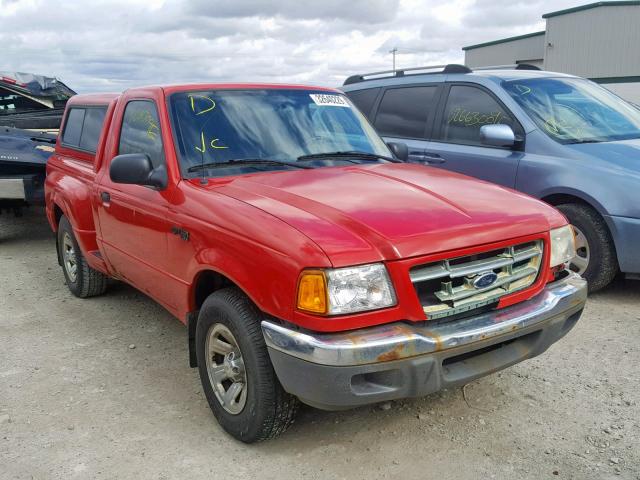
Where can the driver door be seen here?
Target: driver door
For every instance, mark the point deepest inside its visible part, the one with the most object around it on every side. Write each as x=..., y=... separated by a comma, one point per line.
x=134, y=218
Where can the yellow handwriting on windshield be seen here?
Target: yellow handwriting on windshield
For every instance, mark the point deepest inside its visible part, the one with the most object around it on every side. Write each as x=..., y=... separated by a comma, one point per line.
x=204, y=147
x=209, y=104
x=522, y=89
x=213, y=144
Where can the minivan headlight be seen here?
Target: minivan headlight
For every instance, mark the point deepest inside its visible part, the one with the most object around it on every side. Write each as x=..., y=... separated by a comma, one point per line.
x=563, y=246
x=345, y=290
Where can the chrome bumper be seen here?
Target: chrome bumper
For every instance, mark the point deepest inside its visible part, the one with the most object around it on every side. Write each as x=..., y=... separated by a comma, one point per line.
x=402, y=340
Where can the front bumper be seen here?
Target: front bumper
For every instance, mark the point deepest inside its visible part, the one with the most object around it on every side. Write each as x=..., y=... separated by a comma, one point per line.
x=347, y=369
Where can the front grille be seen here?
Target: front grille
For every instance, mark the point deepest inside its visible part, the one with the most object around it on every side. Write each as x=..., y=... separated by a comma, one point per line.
x=454, y=286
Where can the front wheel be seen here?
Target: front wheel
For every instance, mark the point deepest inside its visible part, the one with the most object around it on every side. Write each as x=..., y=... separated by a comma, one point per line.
x=595, y=256
x=236, y=372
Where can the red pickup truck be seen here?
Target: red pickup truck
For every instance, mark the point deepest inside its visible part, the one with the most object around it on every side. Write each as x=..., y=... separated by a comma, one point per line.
x=308, y=261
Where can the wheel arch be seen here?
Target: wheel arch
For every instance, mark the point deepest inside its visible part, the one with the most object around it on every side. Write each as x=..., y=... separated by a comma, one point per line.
x=558, y=196
x=561, y=197
x=206, y=282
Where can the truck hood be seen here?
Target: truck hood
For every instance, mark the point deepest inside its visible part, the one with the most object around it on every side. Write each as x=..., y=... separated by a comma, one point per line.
x=367, y=213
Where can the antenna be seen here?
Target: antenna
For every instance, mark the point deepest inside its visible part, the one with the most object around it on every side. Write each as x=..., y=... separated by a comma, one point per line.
x=393, y=52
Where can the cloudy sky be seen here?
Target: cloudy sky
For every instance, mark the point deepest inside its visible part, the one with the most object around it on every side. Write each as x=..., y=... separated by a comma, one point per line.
x=109, y=45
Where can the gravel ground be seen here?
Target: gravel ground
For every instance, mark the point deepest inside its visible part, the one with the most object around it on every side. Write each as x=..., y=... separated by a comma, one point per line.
x=101, y=388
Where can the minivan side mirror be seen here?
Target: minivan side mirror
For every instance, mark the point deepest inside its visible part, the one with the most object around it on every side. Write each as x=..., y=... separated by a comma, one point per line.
x=399, y=150
x=137, y=169
x=497, y=135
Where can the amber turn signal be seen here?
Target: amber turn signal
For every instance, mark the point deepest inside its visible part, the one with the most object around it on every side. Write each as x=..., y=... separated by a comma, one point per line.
x=312, y=292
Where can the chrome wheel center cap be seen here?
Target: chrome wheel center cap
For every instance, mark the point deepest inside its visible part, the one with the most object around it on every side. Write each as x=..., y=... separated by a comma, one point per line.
x=233, y=366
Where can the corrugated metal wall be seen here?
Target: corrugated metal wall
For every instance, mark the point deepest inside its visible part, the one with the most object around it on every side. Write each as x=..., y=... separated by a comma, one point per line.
x=594, y=43
x=531, y=48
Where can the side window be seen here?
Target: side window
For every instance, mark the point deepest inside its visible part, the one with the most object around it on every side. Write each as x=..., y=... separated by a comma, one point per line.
x=468, y=109
x=93, y=120
x=364, y=99
x=83, y=127
x=403, y=112
x=141, y=131
x=73, y=127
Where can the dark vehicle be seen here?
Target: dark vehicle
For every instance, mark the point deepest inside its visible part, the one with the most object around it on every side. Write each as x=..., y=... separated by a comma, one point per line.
x=31, y=108
x=557, y=137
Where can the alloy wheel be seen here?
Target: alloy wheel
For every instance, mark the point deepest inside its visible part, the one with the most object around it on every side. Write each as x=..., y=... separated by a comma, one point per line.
x=225, y=367
x=69, y=258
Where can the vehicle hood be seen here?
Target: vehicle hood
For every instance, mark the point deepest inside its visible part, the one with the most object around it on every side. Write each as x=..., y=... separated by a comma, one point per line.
x=621, y=154
x=362, y=214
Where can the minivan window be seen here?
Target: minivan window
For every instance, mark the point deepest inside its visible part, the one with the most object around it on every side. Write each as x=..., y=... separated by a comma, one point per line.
x=403, y=112
x=575, y=110
x=467, y=109
x=140, y=131
x=364, y=99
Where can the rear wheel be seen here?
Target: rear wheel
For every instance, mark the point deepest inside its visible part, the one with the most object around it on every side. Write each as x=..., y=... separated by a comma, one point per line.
x=595, y=256
x=236, y=372
x=82, y=280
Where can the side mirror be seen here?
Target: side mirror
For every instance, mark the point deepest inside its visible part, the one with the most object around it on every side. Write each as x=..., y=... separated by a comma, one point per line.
x=399, y=150
x=497, y=135
x=136, y=169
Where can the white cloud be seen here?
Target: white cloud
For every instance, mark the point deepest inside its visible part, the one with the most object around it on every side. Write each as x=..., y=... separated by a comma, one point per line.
x=115, y=44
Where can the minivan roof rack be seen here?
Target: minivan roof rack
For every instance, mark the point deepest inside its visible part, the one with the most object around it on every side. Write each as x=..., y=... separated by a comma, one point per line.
x=448, y=68
x=515, y=66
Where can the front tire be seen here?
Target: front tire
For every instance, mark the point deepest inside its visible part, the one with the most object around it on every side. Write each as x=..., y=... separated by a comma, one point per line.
x=596, y=258
x=236, y=372
x=82, y=280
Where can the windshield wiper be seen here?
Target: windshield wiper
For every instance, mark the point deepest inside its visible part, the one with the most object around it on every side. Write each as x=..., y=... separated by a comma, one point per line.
x=585, y=140
x=349, y=154
x=244, y=161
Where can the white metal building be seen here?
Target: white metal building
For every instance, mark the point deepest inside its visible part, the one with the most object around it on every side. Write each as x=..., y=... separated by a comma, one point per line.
x=599, y=41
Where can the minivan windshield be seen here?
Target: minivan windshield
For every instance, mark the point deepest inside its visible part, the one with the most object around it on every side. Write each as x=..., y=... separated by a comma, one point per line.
x=575, y=110
x=230, y=132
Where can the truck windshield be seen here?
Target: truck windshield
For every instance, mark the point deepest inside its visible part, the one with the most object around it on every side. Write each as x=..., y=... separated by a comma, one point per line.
x=575, y=110
x=218, y=126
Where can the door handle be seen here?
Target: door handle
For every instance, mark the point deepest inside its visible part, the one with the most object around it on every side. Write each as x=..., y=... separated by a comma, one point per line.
x=105, y=196
x=433, y=159
x=426, y=157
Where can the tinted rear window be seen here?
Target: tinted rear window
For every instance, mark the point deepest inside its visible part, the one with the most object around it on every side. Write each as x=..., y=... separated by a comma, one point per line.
x=364, y=99
x=73, y=128
x=83, y=127
x=93, y=120
x=403, y=112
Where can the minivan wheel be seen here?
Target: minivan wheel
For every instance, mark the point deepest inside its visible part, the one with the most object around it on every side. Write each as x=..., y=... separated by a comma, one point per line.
x=595, y=256
x=238, y=379
x=82, y=280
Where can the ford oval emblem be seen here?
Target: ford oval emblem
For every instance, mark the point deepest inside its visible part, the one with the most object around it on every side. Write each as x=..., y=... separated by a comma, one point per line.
x=485, y=279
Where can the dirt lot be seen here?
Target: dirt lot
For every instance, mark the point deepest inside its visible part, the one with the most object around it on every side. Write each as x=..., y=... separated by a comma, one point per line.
x=77, y=401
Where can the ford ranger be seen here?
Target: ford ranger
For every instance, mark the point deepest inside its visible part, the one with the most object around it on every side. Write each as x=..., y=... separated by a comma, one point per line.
x=307, y=260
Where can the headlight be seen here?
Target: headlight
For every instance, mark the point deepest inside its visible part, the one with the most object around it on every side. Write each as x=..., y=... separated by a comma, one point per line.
x=345, y=290
x=563, y=247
